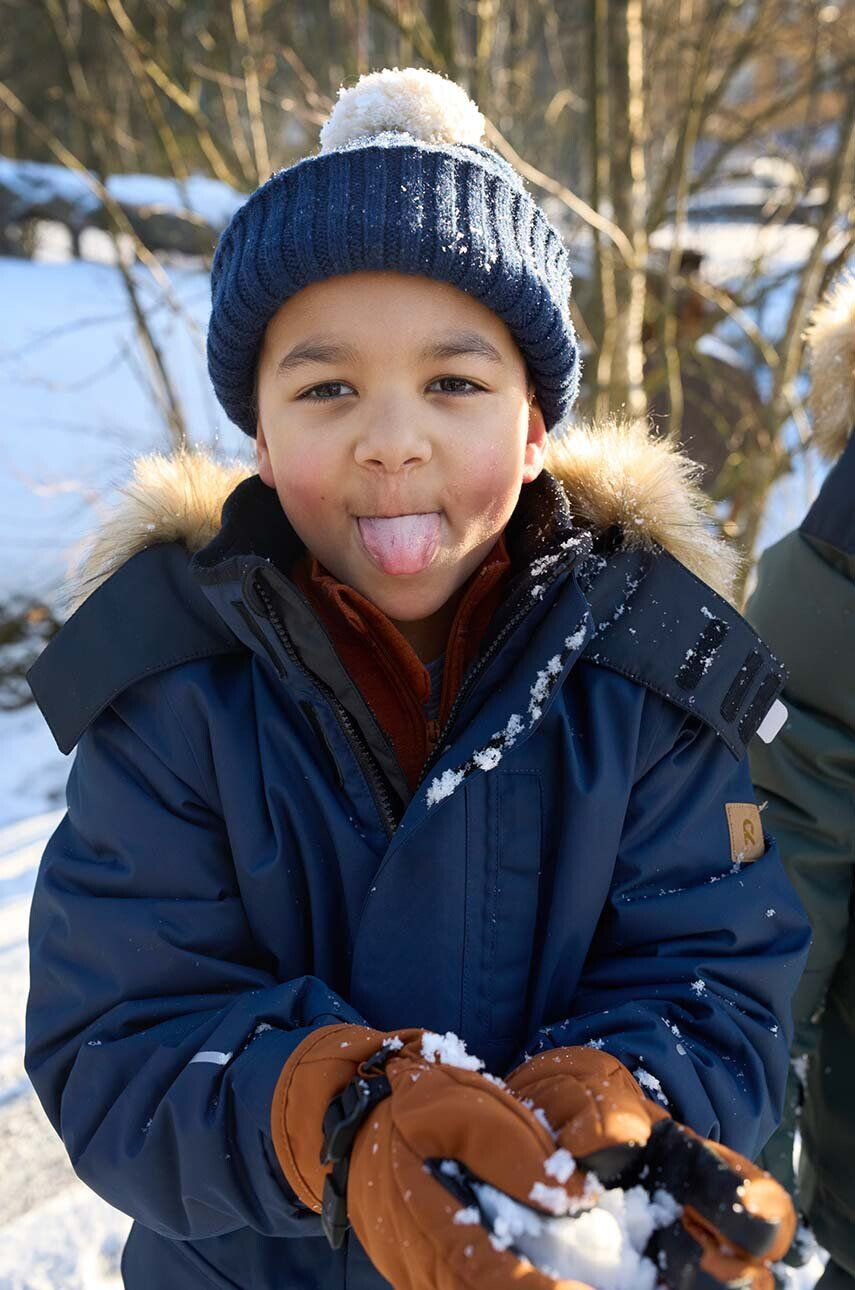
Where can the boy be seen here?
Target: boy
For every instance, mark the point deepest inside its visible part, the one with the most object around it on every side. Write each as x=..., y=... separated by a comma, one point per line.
x=296, y=864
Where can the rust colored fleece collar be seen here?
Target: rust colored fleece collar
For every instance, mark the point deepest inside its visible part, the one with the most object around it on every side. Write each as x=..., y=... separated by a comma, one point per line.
x=384, y=665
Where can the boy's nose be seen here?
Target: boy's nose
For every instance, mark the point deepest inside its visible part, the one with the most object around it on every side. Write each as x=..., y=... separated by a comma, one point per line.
x=393, y=442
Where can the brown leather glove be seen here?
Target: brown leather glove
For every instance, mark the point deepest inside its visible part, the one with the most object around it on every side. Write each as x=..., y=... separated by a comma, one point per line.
x=401, y=1203
x=736, y=1219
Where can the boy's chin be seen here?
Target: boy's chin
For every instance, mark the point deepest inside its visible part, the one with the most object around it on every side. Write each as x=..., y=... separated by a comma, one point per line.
x=406, y=604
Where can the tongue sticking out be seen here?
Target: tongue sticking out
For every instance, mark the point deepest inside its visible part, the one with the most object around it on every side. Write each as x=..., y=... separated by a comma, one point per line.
x=401, y=543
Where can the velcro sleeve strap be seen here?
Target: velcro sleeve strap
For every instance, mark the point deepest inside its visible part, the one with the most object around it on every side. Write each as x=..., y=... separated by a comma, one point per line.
x=659, y=624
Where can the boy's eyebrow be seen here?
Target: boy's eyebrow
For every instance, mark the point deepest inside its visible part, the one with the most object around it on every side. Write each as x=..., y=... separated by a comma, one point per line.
x=453, y=345
x=316, y=351
x=460, y=343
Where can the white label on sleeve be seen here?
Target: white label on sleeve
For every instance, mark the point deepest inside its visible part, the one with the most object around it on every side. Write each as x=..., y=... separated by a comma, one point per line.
x=772, y=722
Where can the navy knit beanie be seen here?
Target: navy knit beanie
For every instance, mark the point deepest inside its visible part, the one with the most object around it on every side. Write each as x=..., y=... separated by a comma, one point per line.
x=401, y=182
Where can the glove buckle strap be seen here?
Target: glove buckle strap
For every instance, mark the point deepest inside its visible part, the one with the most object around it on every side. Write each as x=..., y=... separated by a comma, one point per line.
x=342, y=1119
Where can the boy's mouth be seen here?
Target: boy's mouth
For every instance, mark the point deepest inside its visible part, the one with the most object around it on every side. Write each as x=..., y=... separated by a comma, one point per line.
x=400, y=543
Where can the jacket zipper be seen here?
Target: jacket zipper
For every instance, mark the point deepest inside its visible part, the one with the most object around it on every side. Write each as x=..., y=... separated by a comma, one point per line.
x=364, y=756
x=355, y=738
x=432, y=733
x=481, y=662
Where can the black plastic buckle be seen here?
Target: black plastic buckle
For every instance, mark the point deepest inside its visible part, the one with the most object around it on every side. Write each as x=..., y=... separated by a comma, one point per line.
x=334, y=1218
x=342, y=1118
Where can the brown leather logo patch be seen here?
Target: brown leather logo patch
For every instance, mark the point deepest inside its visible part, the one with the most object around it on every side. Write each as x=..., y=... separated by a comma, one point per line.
x=746, y=832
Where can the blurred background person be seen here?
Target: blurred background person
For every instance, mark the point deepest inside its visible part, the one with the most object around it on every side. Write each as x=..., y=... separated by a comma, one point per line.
x=804, y=606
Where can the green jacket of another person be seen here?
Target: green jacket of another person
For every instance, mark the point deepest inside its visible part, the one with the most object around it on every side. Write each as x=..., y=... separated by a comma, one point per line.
x=804, y=607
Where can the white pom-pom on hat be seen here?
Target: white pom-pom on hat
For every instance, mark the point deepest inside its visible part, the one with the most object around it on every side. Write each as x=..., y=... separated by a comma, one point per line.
x=413, y=100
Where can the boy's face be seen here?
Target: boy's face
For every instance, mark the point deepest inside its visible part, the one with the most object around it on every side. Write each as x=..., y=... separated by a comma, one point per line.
x=397, y=467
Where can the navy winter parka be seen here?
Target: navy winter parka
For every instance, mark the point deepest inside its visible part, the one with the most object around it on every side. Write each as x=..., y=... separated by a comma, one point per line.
x=241, y=859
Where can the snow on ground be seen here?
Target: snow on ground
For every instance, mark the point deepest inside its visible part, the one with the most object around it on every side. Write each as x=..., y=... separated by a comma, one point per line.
x=32, y=769
x=21, y=846
x=73, y=1241
x=39, y=182
x=77, y=403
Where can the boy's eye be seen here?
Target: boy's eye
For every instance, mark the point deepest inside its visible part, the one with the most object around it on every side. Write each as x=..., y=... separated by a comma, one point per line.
x=313, y=395
x=458, y=381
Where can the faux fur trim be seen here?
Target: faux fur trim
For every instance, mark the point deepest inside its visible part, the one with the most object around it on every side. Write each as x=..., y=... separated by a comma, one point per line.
x=614, y=473
x=830, y=337
x=171, y=498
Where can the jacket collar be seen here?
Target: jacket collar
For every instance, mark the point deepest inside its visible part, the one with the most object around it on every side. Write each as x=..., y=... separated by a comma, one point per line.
x=614, y=473
x=388, y=670
x=256, y=546
x=542, y=535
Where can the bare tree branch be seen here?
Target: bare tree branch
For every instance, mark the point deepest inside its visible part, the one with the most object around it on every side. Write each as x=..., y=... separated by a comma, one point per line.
x=248, y=39
x=179, y=96
x=570, y=199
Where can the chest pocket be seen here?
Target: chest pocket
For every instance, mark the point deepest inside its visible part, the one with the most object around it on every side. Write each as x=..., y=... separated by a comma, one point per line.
x=503, y=861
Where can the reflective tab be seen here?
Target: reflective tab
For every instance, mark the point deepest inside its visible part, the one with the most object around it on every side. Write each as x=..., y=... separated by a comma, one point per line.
x=218, y=1059
x=772, y=722
x=760, y=706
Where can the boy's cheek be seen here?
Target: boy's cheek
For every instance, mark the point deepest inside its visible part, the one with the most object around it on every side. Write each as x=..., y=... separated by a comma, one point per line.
x=487, y=488
x=304, y=483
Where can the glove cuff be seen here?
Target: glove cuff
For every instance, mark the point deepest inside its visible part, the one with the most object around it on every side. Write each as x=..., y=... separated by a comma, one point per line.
x=319, y=1068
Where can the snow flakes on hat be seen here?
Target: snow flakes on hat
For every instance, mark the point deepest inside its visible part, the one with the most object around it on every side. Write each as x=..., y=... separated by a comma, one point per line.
x=410, y=100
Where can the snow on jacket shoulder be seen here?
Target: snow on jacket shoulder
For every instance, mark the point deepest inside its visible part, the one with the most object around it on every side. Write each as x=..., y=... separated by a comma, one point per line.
x=242, y=860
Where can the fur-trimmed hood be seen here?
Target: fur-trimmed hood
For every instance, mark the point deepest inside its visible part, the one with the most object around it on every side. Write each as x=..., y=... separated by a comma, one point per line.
x=830, y=337
x=613, y=471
